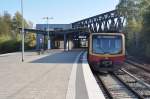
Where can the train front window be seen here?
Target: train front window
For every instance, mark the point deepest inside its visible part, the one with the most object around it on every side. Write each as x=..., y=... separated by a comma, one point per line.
x=104, y=44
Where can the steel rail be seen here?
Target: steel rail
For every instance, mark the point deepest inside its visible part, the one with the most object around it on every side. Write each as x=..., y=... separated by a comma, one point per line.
x=128, y=87
x=138, y=65
x=137, y=79
x=102, y=85
x=110, y=91
x=138, y=87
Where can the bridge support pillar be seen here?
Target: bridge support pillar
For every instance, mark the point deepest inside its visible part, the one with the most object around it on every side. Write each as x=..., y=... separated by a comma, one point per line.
x=65, y=42
x=44, y=43
x=38, y=41
x=68, y=45
x=49, y=43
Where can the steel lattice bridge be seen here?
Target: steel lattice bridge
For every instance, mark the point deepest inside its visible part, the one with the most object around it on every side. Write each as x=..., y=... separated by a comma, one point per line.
x=112, y=21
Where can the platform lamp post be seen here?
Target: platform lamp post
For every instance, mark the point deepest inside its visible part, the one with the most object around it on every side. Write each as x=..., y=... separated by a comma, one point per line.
x=49, y=41
x=22, y=31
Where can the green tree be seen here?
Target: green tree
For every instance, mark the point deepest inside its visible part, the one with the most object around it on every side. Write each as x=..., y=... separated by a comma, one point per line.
x=10, y=34
x=16, y=23
x=31, y=40
x=130, y=9
x=137, y=14
x=146, y=31
x=30, y=37
x=5, y=24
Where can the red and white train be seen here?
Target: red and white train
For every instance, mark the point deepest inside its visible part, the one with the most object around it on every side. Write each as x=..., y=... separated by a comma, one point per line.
x=106, y=51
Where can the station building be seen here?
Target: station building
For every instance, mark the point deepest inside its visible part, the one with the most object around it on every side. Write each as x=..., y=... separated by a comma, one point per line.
x=59, y=40
x=54, y=43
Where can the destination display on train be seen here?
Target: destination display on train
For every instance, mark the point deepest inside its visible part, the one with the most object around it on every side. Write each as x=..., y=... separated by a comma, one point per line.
x=107, y=36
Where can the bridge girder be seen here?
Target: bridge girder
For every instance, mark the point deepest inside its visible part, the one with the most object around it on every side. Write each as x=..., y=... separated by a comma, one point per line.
x=111, y=21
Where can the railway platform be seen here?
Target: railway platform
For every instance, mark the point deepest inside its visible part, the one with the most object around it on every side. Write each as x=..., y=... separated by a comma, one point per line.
x=56, y=74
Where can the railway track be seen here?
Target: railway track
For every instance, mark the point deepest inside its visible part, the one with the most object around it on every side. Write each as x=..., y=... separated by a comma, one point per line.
x=139, y=70
x=144, y=67
x=123, y=85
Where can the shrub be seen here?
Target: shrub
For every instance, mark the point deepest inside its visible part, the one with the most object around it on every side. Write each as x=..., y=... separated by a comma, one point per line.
x=10, y=46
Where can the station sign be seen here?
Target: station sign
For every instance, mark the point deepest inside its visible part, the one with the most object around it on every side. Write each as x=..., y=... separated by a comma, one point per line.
x=82, y=37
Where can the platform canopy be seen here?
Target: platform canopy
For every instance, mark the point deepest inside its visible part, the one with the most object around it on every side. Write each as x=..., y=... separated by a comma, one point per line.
x=56, y=32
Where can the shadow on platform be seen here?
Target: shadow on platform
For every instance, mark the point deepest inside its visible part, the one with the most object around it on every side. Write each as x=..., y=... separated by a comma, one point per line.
x=60, y=57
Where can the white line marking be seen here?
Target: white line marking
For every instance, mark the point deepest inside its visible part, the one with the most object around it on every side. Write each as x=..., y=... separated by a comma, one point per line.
x=94, y=92
x=71, y=92
x=8, y=54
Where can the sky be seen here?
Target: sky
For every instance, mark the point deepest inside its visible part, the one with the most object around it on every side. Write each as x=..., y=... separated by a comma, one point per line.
x=62, y=11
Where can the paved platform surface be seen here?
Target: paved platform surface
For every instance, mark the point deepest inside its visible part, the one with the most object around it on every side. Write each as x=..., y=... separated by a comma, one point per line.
x=41, y=76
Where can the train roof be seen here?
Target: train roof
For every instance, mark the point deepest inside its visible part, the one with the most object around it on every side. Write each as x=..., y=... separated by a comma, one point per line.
x=107, y=33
